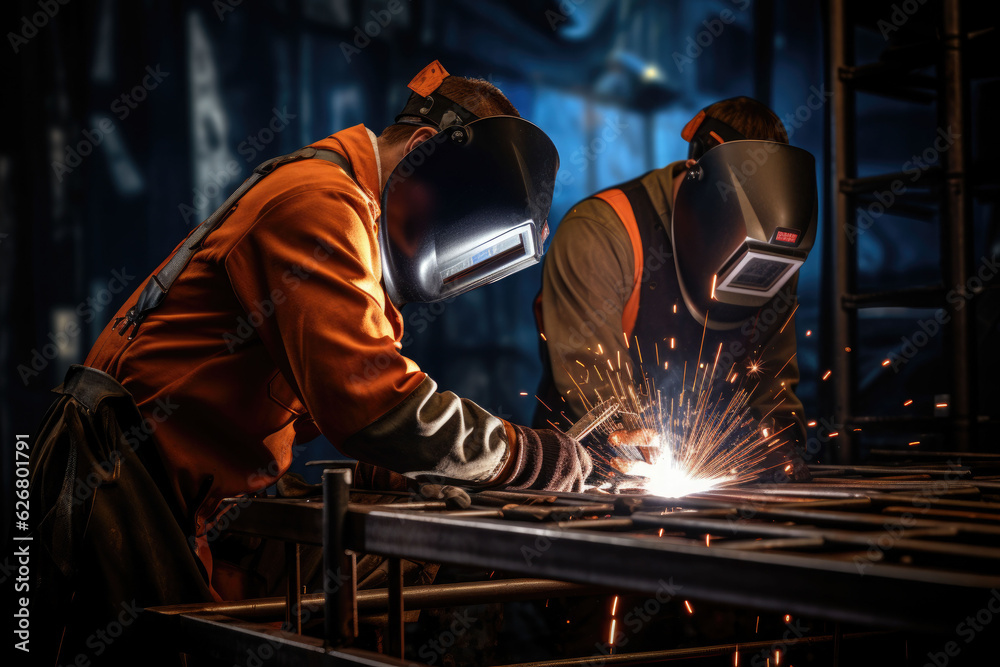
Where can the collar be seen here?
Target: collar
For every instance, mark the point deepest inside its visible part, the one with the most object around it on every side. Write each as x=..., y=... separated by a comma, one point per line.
x=378, y=159
x=660, y=185
x=357, y=145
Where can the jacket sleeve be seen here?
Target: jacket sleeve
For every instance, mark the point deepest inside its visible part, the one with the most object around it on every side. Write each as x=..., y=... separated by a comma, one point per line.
x=586, y=282
x=309, y=268
x=774, y=398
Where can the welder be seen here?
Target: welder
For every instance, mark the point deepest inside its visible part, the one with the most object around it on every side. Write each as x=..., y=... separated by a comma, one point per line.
x=276, y=320
x=700, y=253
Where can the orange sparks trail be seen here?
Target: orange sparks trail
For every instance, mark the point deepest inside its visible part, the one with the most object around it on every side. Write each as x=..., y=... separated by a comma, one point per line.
x=940, y=405
x=916, y=442
x=826, y=375
x=782, y=329
x=614, y=606
x=524, y=393
x=909, y=402
x=809, y=333
x=543, y=403
x=611, y=635
x=715, y=277
x=736, y=659
x=886, y=362
x=543, y=337
x=811, y=424
x=708, y=540
x=687, y=605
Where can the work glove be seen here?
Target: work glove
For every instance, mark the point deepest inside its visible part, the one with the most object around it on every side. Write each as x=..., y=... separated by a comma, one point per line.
x=548, y=460
x=783, y=462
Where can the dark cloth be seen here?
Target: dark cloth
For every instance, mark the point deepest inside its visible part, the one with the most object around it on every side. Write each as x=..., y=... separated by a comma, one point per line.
x=109, y=543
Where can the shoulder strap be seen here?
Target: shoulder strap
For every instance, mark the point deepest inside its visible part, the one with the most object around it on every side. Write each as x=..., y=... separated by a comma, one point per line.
x=159, y=283
x=623, y=208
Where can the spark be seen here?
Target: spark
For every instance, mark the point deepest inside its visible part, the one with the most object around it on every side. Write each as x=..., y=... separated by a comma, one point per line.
x=687, y=605
x=847, y=349
x=614, y=606
x=675, y=309
x=692, y=439
x=543, y=403
x=788, y=618
x=908, y=402
x=611, y=635
x=715, y=277
x=834, y=434
x=940, y=405
x=809, y=333
x=543, y=336
x=826, y=375
x=886, y=362
x=811, y=424
x=782, y=329
x=736, y=659
x=524, y=393
x=600, y=350
x=579, y=362
x=673, y=343
x=915, y=442
x=777, y=656
x=708, y=540
x=756, y=627
x=755, y=367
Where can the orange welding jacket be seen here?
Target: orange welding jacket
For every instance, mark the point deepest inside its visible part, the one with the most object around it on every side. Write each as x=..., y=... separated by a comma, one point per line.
x=279, y=328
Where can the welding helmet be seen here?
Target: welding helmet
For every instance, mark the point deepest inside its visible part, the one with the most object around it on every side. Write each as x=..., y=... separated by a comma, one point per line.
x=743, y=222
x=469, y=205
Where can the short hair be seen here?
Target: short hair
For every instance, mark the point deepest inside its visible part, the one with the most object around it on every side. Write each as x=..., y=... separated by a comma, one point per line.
x=752, y=119
x=477, y=95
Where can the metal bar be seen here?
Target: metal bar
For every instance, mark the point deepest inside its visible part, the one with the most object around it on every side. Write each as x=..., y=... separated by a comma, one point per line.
x=293, y=588
x=414, y=597
x=238, y=642
x=395, y=641
x=338, y=584
x=693, y=652
x=956, y=225
x=810, y=585
x=845, y=320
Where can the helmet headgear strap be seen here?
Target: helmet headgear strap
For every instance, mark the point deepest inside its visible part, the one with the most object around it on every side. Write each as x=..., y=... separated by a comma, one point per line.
x=429, y=104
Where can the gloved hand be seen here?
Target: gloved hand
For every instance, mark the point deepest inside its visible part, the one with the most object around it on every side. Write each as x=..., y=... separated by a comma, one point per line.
x=783, y=462
x=646, y=442
x=548, y=460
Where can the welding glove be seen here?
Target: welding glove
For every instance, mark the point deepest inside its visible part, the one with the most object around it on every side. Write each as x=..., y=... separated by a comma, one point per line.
x=783, y=463
x=547, y=460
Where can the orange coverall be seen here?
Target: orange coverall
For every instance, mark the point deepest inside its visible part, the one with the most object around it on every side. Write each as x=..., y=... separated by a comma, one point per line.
x=279, y=329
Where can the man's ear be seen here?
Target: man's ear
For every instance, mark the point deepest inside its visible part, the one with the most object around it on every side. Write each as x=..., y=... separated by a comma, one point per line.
x=421, y=135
